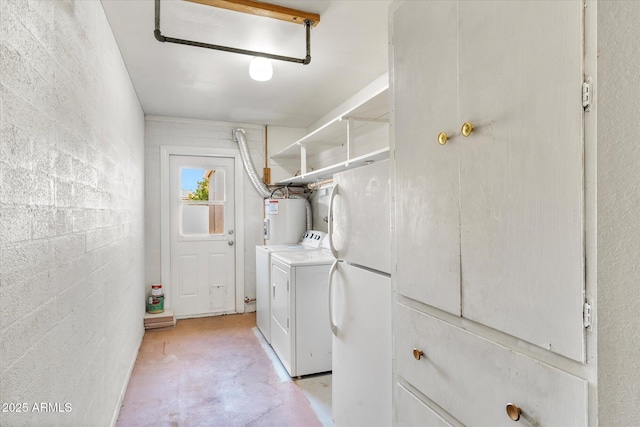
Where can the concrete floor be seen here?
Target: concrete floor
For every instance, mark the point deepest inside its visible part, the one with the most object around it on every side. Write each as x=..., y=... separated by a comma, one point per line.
x=219, y=371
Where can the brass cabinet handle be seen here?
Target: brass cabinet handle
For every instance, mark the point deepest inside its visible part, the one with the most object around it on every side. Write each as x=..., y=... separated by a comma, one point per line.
x=467, y=128
x=417, y=354
x=513, y=411
x=442, y=138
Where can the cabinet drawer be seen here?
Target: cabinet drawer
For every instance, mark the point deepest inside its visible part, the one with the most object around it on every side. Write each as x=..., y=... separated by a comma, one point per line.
x=474, y=379
x=412, y=412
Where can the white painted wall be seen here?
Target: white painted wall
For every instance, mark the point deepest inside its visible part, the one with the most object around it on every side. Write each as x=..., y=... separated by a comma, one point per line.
x=320, y=207
x=618, y=239
x=279, y=139
x=197, y=133
x=71, y=214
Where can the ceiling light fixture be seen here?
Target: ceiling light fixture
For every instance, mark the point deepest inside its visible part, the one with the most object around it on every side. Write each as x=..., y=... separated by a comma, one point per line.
x=256, y=8
x=260, y=69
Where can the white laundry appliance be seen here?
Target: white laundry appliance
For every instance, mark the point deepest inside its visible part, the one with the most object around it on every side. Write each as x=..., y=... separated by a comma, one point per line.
x=360, y=297
x=285, y=220
x=310, y=241
x=300, y=332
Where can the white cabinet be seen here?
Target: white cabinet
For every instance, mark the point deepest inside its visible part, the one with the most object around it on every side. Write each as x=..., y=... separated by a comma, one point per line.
x=475, y=379
x=489, y=226
x=353, y=134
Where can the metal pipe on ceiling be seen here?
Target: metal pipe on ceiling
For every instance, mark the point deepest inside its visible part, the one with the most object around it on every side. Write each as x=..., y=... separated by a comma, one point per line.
x=162, y=38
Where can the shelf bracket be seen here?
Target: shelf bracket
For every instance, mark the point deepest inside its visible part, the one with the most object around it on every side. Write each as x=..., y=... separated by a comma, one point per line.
x=350, y=131
x=303, y=160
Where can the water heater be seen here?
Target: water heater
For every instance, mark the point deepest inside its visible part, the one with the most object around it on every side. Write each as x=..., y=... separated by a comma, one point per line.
x=285, y=221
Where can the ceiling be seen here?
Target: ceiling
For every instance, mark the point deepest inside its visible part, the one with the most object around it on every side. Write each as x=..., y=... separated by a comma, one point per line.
x=348, y=51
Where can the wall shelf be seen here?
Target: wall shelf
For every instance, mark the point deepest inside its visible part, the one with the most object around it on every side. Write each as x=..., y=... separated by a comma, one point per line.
x=363, y=117
x=327, y=172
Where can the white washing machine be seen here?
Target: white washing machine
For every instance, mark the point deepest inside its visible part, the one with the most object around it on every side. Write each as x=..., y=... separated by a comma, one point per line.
x=300, y=331
x=311, y=241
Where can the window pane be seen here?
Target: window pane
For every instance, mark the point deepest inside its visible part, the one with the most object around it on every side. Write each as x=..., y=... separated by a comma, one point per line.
x=202, y=197
x=216, y=184
x=198, y=184
x=194, y=219
x=216, y=219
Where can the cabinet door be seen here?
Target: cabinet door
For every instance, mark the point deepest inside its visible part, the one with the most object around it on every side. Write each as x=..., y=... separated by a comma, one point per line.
x=425, y=73
x=521, y=177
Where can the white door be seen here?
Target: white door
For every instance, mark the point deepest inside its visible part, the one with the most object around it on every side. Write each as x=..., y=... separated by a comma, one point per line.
x=202, y=212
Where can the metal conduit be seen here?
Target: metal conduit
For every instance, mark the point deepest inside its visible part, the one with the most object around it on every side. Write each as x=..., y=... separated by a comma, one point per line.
x=161, y=38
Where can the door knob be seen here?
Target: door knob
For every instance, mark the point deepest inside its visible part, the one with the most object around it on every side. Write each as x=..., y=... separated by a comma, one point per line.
x=467, y=128
x=513, y=411
x=230, y=231
x=442, y=138
x=230, y=242
x=417, y=354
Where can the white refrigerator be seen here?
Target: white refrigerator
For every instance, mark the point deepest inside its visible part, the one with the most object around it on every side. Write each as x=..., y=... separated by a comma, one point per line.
x=360, y=296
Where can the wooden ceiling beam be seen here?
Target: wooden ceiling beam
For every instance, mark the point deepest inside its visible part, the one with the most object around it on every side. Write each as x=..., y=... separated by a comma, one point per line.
x=263, y=9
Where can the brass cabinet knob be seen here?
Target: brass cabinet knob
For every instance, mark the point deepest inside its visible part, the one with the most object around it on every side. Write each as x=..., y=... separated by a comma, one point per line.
x=467, y=128
x=513, y=411
x=417, y=354
x=442, y=138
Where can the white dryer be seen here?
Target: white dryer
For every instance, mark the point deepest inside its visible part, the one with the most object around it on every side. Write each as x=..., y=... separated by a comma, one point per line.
x=310, y=241
x=300, y=331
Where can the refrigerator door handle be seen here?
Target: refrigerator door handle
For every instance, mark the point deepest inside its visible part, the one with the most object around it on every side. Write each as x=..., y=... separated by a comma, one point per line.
x=334, y=327
x=334, y=191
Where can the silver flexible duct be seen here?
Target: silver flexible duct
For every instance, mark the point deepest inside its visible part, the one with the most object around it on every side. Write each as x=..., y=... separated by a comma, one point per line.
x=260, y=187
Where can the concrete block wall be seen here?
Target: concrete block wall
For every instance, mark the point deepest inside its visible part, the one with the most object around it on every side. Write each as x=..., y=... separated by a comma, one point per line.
x=166, y=131
x=71, y=216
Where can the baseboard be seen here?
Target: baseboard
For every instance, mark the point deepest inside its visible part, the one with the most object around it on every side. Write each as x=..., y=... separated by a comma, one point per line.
x=123, y=391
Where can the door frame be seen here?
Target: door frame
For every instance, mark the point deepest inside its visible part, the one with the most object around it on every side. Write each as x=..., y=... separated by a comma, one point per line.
x=165, y=215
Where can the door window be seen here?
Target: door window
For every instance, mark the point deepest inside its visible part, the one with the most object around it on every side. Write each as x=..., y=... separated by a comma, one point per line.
x=202, y=199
